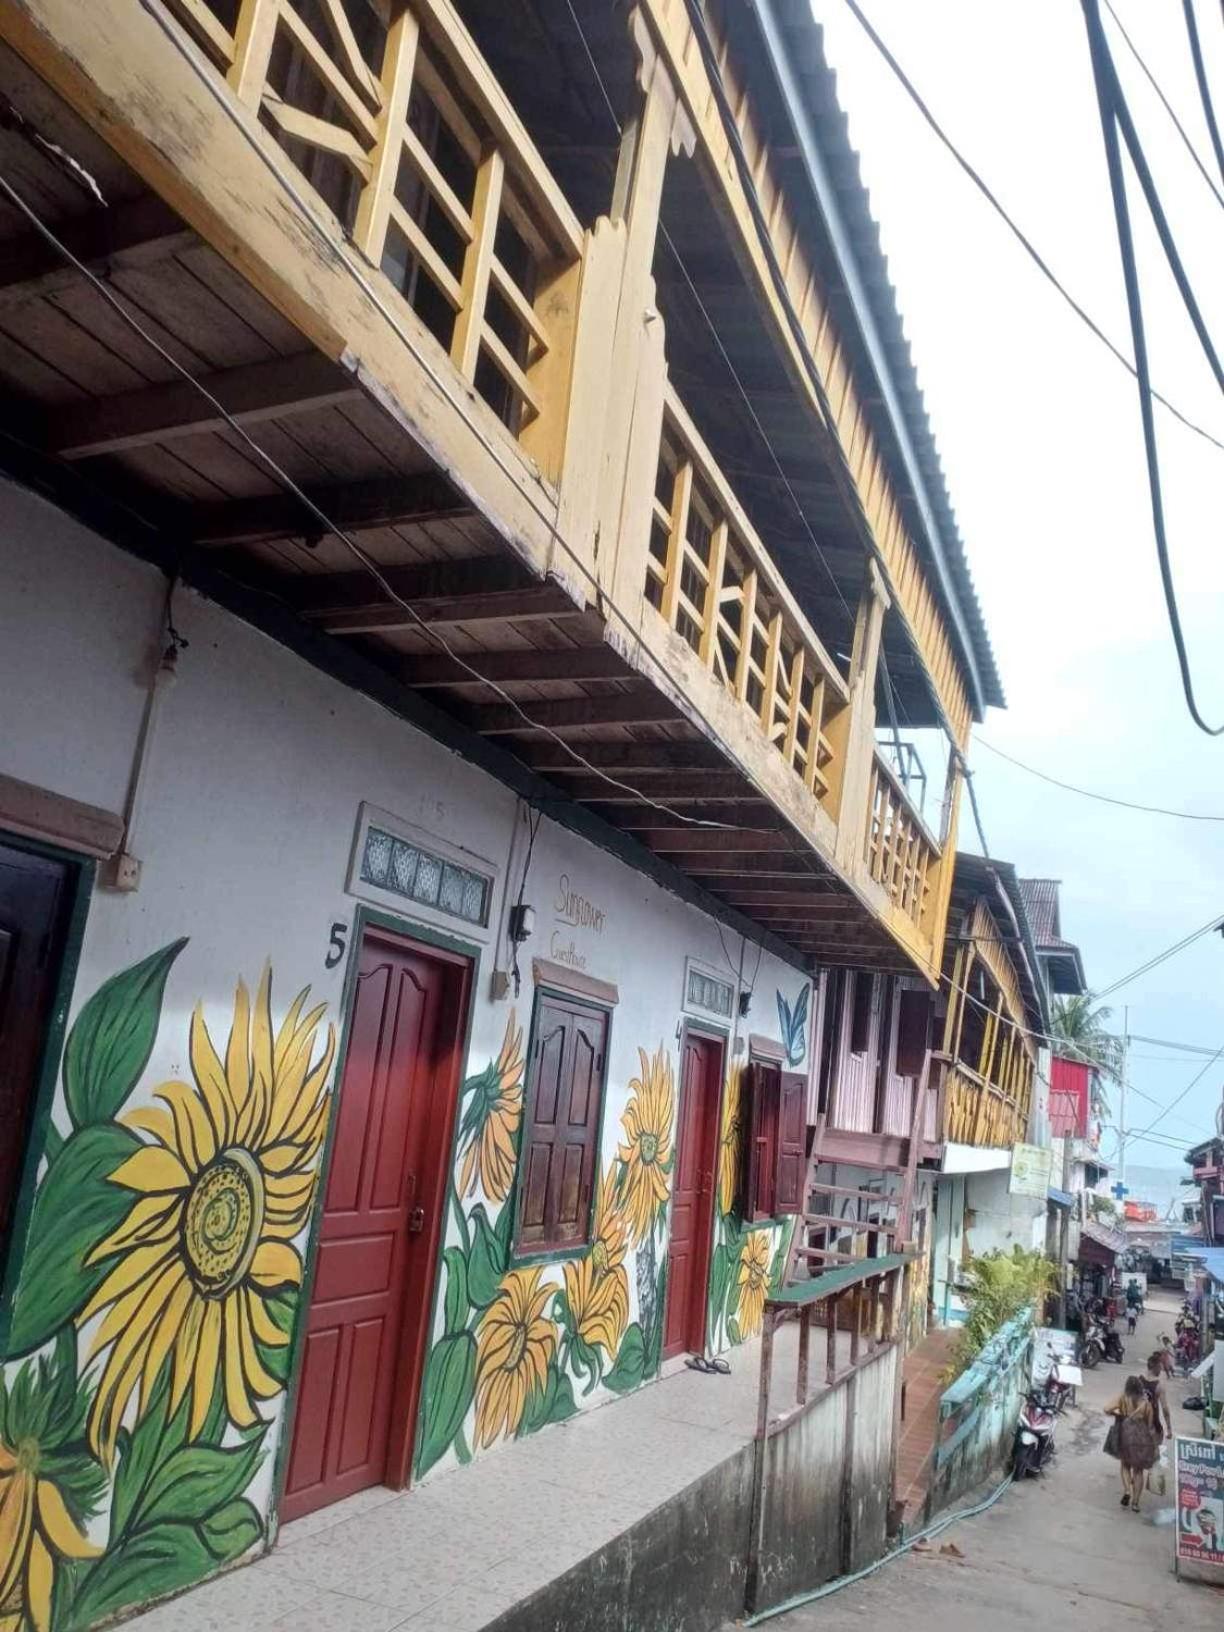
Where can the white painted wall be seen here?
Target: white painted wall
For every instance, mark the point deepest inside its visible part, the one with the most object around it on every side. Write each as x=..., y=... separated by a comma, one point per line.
x=254, y=785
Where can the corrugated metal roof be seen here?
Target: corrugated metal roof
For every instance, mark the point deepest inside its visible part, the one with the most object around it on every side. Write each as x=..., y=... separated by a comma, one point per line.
x=1041, y=906
x=795, y=42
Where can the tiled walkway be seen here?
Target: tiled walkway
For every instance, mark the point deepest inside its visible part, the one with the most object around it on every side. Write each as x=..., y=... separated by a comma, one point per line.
x=924, y=1383
x=469, y=1544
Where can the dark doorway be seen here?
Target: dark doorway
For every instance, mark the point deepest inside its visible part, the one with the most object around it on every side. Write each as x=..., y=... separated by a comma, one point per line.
x=36, y=894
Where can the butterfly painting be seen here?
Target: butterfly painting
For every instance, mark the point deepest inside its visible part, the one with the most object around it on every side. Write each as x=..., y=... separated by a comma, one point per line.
x=794, y=1025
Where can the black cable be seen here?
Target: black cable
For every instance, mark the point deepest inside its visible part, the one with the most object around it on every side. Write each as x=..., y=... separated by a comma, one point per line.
x=1122, y=115
x=1086, y=793
x=1022, y=238
x=1104, y=81
x=1168, y=106
x=1200, y=74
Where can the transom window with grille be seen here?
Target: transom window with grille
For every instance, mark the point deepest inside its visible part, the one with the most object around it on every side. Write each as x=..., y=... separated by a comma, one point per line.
x=564, y=1109
x=415, y=873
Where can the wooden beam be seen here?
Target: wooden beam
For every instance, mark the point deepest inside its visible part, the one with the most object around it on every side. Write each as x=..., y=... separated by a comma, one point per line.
x=136, y=232
x=665, y=839
x=630, y=818
x=163, y=413
x=533, y=601
x=580, y=664
x=629, y=708
x=388, y=502
x=660, y=757
x=680, y=788
x=743, y=864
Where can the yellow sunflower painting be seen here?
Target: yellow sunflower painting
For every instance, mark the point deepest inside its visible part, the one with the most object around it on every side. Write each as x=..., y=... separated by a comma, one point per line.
x=36, y=1528
x=730, y=1142
x=491, y=1122
x=220, y=1192
x=514, y=1345
x=596, y=1285
x=753, y=1281
x=647, y=1150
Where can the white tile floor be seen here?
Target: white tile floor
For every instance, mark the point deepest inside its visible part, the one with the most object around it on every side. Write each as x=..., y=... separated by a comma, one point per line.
x=454, y=1554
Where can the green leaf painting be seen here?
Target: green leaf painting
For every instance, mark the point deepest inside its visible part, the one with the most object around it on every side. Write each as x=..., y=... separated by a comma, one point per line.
x=112, y=1038
x=450, y=1381
x=630, y=1365
x=153, y=1317
x=75, y=1208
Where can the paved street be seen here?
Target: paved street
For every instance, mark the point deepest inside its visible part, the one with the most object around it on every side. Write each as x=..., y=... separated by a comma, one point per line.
x=1055, y=1553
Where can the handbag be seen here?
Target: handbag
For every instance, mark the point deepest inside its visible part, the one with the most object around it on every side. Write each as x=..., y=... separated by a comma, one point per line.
x=1111, y=1446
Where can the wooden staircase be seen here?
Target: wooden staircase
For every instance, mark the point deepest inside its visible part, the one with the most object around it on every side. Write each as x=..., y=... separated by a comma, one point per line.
x=894, y=1209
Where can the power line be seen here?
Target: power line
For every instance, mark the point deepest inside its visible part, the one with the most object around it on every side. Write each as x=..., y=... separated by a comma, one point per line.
x=1018, y=233
x=1173, y=1103
x=1200, y=74
x=1111, y=108
x=1160, y=957
x=1168, y=106
x=1087, y=793
x=1167, y=1042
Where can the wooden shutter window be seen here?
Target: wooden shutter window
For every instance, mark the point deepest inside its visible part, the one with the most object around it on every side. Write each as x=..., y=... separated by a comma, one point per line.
x=860, y=1013
x=913, y=1030
x=565, y=1095
x=791, y=1163
x=761, y=1154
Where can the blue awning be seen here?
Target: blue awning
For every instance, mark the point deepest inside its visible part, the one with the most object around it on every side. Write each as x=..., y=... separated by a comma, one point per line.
x=1211, y=1258
x=1062, y=1198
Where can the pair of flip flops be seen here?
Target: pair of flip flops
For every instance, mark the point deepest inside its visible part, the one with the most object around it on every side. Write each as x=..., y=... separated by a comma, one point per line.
x=714, y=1367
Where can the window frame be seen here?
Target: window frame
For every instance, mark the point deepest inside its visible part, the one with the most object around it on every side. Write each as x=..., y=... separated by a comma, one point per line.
x=533, y=1252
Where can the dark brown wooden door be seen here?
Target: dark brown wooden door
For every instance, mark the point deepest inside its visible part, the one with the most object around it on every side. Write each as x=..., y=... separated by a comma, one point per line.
x=34, y=906
x=365, y=1332
x=688, y=1249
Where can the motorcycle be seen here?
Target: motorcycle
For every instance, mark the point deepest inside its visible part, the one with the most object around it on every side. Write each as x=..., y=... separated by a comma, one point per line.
x=1033, y=1447
x=1189, y=1345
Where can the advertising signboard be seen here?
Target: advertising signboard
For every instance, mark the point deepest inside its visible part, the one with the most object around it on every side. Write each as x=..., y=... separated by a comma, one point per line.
x=1199, y=1465
x=1030, y=1171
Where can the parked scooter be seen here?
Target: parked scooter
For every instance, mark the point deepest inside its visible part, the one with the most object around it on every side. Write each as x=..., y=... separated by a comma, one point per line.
x=1033, y=1447
x=1099, y=1341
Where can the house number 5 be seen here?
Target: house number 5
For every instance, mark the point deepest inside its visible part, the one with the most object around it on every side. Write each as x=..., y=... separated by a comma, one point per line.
x=336, y=946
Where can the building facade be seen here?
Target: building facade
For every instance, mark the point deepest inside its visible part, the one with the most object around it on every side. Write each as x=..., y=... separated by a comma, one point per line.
x=442, y=830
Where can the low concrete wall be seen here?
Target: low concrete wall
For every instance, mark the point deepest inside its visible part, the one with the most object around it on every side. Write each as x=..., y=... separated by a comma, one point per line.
x=691, y=1564
x=680, y=1569
x=977, y=1415
x=826, y=1487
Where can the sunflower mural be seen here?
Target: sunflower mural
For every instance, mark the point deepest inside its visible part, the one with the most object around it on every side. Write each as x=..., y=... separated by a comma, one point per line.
x=517, y=1344
x=748, y=1261
x=157, y=1295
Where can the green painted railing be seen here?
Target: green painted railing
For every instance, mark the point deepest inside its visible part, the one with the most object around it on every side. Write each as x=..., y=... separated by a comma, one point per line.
x=977, y=1413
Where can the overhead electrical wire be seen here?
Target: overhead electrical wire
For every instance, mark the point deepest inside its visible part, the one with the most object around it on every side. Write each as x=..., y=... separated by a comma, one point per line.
x=1087, y=793
x=1142, y=1133
x=1112, y=109
x=1200, y=75
x=1168, y=106
x=1018, y=233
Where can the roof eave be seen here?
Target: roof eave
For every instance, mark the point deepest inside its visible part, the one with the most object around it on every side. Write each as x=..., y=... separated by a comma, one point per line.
x=875, y=312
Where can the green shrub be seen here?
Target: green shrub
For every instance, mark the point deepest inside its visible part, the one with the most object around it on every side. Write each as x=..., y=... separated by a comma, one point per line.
x=1000, y=1285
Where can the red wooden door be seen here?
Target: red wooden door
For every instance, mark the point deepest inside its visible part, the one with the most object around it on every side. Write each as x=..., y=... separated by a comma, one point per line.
x=373, y=1280
x=688, y=1249
x=33, y=912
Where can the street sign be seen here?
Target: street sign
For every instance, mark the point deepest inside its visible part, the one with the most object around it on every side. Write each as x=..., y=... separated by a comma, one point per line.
x=1199, y=1490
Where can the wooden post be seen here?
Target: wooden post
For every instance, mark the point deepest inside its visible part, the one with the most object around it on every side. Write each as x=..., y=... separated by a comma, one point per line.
x=374, y=206
x=712, y=605
x=682, y=493
x=852, y=735
x=254, y=37
x=477, y=263
x=767, y=1338
x=805, y=1333
x=831, y=1349
x=856, y=1323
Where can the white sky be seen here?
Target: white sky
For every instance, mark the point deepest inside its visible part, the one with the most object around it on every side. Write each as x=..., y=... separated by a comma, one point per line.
x=1039, y=432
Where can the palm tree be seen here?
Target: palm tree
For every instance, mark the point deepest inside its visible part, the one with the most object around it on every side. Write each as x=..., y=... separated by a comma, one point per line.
x=1079, y=1030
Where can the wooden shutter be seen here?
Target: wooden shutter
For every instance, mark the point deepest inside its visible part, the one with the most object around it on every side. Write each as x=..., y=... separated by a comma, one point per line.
x=913, y=1030
x=565, y=1094
x=791, y=1163
x=860, y=1013
x=761, y=1158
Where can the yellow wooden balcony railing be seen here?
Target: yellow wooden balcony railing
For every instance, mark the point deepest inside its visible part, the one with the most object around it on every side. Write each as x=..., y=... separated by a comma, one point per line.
x=403, y=132
x=710, y=578
x=979, y=1112
x=900, y=852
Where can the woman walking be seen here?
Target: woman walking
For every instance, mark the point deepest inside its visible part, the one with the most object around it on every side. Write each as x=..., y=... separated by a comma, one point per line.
x=1133, y=1437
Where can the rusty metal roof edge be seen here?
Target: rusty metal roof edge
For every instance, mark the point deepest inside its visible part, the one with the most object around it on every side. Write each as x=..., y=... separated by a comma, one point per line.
x=809, y=89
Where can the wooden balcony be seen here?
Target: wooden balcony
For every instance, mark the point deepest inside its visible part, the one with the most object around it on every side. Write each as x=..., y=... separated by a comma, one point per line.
x=980, y=1112
x=471, y=382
